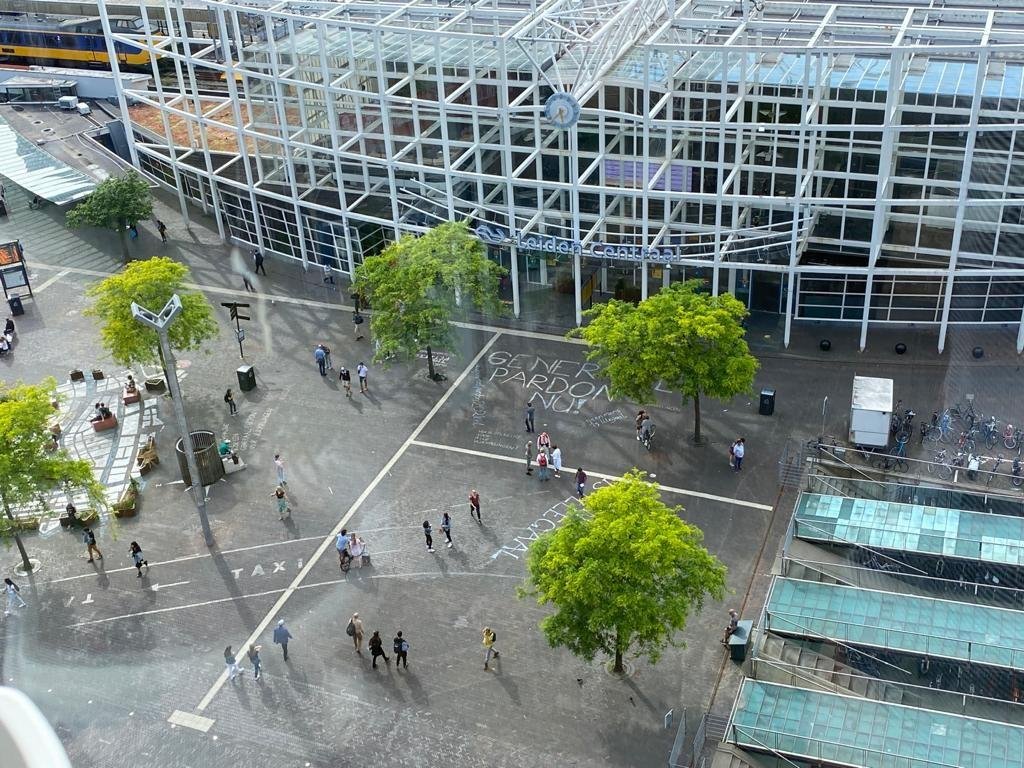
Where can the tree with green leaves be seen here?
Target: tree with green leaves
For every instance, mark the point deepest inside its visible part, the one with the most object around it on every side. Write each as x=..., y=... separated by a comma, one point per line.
x=623, y=572
x=118, y=203
x=150, y=284
x=416, y=286
x=681, y=337
x=30, y=468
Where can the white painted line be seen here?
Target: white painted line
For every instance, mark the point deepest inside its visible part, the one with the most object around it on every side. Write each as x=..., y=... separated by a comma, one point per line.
x=50, y=281
x=188, y=720
x=172, y=608
x=158, y=587
x=414, y=575
x=328, y=542
x=184, y=559
x=603, y=476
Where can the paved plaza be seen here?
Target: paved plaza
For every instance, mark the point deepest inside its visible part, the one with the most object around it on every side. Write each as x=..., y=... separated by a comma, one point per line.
x=130, y=671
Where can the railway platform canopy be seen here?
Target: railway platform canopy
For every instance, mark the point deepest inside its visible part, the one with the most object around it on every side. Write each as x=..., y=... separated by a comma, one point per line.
x=910, y=624
x=911, y=528
x=862, y=733
x=36, y=170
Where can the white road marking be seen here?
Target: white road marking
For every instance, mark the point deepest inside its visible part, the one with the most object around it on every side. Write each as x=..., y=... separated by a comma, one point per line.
x=328, y=542
x=172, y=608
x=189, y=720
x=50, y=281
x=603, y=476
x=185, y=559
x=158, y=587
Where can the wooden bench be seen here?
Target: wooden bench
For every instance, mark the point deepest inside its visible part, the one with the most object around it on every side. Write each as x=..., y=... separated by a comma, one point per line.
x=147, y=458
x=739, y=639
x=130, y=397
x=104, y=424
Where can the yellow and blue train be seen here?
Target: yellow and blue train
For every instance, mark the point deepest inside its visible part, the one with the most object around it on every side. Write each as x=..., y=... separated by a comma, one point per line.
x=49, y=39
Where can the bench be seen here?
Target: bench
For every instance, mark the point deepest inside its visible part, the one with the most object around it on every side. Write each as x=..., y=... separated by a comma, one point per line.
x=130, y=397
x=739, y=639
x=104, y=424
x=147, y=458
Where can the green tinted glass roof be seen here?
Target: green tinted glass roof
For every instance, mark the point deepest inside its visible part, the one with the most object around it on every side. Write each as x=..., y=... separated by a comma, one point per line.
x=866, y=733
x=912, y=528
x=919, y=625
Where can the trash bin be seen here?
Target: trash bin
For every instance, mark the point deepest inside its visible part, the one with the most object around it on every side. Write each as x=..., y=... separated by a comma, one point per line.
x=246, y=378
x=767, y=402
x=17, y=308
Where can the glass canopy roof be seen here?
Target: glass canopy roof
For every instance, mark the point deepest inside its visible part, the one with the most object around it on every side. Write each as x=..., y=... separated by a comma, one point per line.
x=38, y=171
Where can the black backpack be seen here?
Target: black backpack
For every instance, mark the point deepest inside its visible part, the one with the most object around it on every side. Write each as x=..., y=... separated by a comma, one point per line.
x=398, y=645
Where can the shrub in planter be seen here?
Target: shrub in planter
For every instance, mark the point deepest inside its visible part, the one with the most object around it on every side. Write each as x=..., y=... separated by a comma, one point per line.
x=127, y=505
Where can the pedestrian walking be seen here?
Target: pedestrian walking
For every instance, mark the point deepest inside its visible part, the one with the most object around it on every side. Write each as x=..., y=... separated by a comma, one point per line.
x=362, y=372
x=279, y=466
x=474, y=504
x=346, y=380
x=229, y=658
x=581, y=481
x=320, y=355
x=355, y=631
x=446, y=526
x=136, y=552
x=14, y=600
x=542, y=466
x=732, y=454
x=256, y=661
x=377, y=648
x=328, y=274
x=357, y=324
x=556, y=460
x=489, y=638
x=401, y=647
x=529, y=457
x=257, y=257
x=230, y=400
x=528, y=416
x=739, y=450
x=282, y=636
x=247, y=283
x=543, y=442
x=427, y=531
x=162, y=229
x=341, y=544
x=282, y=503
x=89, y=538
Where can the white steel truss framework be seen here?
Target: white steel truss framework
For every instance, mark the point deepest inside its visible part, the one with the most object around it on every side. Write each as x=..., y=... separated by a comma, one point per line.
x=842, y=161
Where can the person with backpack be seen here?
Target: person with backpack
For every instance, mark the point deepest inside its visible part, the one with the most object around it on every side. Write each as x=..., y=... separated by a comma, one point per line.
x=489, y=639
x=136, y=552
x=346, y=380
x=542, y=466
x=377, y=648
x=230, y=400
x=427, y=534
x=401, y=647
x=355, y=631
x=89, y=539
x=14, y=599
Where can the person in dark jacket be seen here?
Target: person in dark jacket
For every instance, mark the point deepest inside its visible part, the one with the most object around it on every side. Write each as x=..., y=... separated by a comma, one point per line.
x=282, y=636
x=377, y=648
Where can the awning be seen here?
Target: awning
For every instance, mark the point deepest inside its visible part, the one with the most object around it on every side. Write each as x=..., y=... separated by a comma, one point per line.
x=38, y=171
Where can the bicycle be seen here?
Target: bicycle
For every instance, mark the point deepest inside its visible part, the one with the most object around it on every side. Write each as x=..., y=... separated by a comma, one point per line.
x=990, y=431
x=1011, y=436
x=995, y=470
x=897, y=459
x=966, y=415
x=940, y=458
x=1016, y=480
x=966, y=441
x=36, y=203
x=948, y=470
x=647, y=437
x=940, y=429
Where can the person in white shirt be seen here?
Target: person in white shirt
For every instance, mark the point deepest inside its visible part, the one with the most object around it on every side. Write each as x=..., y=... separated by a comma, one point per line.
x=738, y=451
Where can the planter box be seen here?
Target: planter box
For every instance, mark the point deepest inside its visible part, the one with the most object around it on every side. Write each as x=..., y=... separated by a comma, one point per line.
x=155, y=385
x=97, y=374
x=77, y=375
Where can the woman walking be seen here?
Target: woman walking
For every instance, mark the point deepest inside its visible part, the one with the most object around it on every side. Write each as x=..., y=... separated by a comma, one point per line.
x=13, y=597
x=355, y=631
x=377, y=648
x=446, y=526
x=282, y=502
x=136, y=552
x=427, y=531
x=556, y=460
x=229, y=658
x=257, y=663
x=230, y=400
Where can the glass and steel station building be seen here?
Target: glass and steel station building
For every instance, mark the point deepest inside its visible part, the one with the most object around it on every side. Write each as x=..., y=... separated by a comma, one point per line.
x=854, y=161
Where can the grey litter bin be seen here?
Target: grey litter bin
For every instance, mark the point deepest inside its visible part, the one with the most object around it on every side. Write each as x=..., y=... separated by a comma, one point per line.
x=246, y=378
x=767, y=407
x=17, y=308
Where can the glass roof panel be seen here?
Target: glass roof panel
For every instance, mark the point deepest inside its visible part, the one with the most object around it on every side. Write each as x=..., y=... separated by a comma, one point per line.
x=38, y=171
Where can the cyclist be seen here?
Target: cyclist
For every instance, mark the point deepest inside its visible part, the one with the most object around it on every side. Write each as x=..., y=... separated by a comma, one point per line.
x=640, y=416
x=646, y=429
x=341, y=544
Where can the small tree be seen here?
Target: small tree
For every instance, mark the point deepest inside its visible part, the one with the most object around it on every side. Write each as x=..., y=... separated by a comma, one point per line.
x=681, y=337
x=117, y=203
x=29, y=468
x=623, y=572
x=149, y=283
x=417, y=284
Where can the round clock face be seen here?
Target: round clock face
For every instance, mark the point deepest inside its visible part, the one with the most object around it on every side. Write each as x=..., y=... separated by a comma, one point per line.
x=562, y=110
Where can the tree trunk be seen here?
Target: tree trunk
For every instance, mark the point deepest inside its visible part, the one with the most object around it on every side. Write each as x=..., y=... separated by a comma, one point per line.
x=430, y=364
x=122, y=235
x=696, y=418
x=618, y=668
x=17, y=539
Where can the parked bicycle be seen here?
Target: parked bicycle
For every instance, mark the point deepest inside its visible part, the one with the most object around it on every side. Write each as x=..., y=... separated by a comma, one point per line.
x=940, y=429
x=966, y=414
x=905, y=426
x=966, y=441
x=1011, y=436
x=995, y=470
x=951, y=467
x=1016, y=479
x=990, y=431
x=896, y=460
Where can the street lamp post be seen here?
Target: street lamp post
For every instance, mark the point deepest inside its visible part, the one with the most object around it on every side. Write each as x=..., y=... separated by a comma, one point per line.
x=160, y=324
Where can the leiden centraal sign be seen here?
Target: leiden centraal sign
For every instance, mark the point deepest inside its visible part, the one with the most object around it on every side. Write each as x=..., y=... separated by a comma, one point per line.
x=495, y=235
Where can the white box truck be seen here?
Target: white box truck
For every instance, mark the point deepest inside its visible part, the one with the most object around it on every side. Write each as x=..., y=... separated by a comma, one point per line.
x=871, y=412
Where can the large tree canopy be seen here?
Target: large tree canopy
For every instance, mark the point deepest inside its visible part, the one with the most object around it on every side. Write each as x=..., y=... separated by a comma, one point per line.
x=418, y=284
x=622, y=572
x=149, y=283
x=29, y=469
x=117, y=203
x=689, y=341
